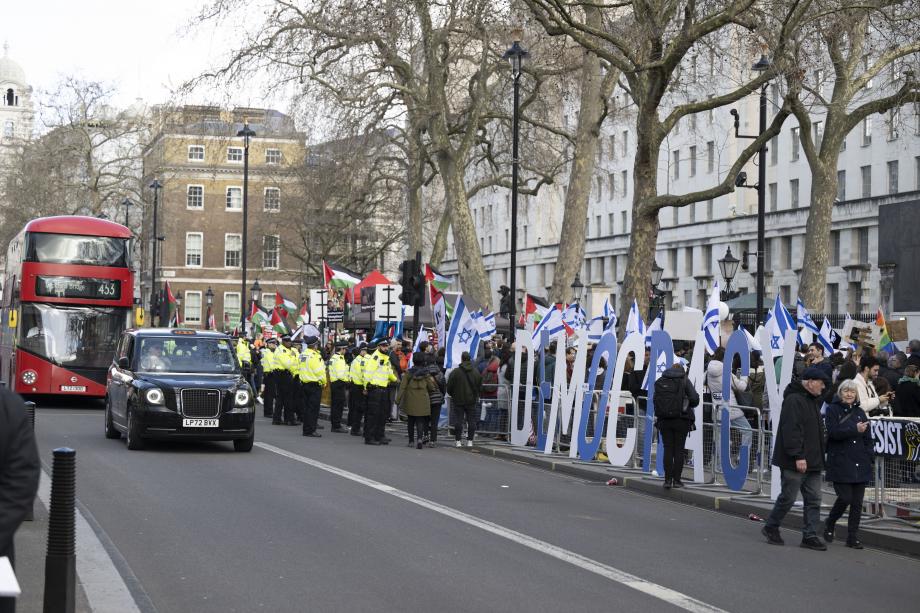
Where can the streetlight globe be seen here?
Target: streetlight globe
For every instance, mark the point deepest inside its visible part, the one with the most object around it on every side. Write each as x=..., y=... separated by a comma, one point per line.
x=657, y=272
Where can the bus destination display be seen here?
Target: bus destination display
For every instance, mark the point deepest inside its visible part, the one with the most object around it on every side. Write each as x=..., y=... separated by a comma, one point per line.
x=78, y=287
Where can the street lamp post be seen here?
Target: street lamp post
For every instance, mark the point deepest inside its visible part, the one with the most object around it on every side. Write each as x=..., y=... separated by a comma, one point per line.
x=247, y=134
x=255, y=294
x=515, y=56
x=156, y=186
x=578, y=289
x=126, y=203
x=728, y=265
x=655, y=302
x=209, y=298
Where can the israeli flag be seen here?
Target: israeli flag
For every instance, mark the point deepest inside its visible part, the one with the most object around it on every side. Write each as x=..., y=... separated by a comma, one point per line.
x=463, y=335
x=634, y=322
x=845, y=326
x=552, y=323
x=778, y=321
x=422, y=337
x=610, y=314
x=711, y=320
x=657, y=324
x=575, y=317
x=660, y=366
x=825, y=337
x=805, y=323
x=596, y=329
x=485, y=326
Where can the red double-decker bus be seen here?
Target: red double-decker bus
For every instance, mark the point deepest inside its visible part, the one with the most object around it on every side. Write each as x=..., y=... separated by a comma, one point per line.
x=67, y=297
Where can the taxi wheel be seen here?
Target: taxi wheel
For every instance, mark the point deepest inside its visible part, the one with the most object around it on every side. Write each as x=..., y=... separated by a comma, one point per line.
x=110, y=431
x=132, y=436
x=244, y=444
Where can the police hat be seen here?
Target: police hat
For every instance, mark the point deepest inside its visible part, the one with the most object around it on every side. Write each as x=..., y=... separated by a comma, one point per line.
x=341, y=344
x=286, y=337
x=311, y=340
x=272, y=340
x=362, y=347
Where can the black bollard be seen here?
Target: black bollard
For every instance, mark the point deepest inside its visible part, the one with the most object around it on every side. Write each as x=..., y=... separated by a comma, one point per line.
x=61, y=561
x=30, y=414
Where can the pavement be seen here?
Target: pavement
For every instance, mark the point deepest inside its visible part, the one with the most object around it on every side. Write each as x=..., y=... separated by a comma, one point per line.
x=330, y=524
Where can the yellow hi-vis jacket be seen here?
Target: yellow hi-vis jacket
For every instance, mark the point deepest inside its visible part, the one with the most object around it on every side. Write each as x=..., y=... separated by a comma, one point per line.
x=338, y=369
x=268, y=360
x=356, y=372
x=286, y=360
x=243, y=354
x=378, y=372
x=312, y=369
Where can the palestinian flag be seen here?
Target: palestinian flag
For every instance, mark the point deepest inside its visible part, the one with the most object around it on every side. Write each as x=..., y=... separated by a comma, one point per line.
x=435, y=278
x=172, y=308
x=258, y=318
x=284, y=304
x=277, y=321
x=339, y=277
x=304, y=316
x=534, y=308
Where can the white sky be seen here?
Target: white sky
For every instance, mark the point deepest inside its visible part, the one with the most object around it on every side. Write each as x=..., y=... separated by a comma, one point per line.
x=140, y=48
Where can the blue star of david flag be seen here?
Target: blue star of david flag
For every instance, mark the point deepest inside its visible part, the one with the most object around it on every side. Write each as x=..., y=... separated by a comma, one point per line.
x=610, y=314
x=552, y=323
x=462, y=336
x=805, y=321
x=711, y=320
x=778, y=321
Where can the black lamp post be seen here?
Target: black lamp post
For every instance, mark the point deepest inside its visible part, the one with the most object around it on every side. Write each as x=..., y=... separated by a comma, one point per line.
x=728, y=265
x=126, y=203
x=156, y=186
x=255, y=294
x=209, y=298
x=761, y=65
x=656, y=301
x=246, y=133
x=578, y=289
x=515, y=56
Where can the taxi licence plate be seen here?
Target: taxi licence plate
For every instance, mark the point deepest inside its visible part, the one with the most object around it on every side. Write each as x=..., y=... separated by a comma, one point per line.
x=73, y=388
x=200, y=423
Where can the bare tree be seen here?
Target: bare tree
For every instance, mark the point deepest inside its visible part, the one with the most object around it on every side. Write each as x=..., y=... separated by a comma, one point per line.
x=856, y=44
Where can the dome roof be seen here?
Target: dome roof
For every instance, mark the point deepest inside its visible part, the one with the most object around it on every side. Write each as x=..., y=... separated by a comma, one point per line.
x=10, y=71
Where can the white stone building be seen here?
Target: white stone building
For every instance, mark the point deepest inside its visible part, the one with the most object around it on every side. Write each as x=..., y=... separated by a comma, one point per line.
x=17, y=111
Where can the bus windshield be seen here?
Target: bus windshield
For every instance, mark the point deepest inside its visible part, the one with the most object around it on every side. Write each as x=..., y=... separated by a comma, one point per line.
x=76, y=249
x=72, y=337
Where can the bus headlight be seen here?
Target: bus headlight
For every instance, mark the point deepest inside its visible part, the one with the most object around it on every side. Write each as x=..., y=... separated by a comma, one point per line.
x=154, y=396
x=29, y=377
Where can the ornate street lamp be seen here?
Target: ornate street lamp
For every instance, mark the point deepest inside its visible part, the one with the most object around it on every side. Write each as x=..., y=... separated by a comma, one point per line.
x=255, y=292
x=656, y=301
x=578, y=289
x=126, y=203
x=209, y=299
x=247, y=134
x=728, y=265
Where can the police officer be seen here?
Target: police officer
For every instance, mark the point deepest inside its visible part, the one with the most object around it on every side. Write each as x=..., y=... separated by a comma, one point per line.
x=312, y=374
x=285, y=363
x=357, y=393
x=338, y=380
x=270, y=389
x=379, y=375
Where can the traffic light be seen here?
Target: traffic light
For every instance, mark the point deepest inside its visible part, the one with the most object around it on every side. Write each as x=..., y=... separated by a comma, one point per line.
x=407, y=279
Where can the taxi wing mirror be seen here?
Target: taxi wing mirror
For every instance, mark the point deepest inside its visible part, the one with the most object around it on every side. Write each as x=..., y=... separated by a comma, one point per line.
x=124, y=362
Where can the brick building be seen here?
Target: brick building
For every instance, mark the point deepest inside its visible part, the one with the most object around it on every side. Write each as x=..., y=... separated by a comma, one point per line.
x=198, y=159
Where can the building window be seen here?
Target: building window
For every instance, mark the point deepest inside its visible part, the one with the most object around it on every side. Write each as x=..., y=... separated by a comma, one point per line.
x=624, y=186
x=832, y=298
x=893, y=177
x=195, y=153
x=835, y=249
x=795, y=144
x=624, y=143
x=768, y=254
x=854, y=297
x=693, y=161
x=613, y=146
x=507, y=242
x=195, y=197
x=774, y=151
x=234, y=154
x=818, y=133
x=841, y=185
x=8, y=129
x=676, y=163
x=709, y=211
x=794, y=193
x=862, y=236
x=234, y=198
x=600, y=188
x=688, y=261
x=194, y=242
x=843, y=144
x=676, y=220
x=707, y=259
x=273, y=156
x=192, y=307
x=272, y=199
x=785, y=248
x=785, y=292
x=771, y=188
x=625, y=222
x=867, y=132
x=672, y=261
x=692, y=209
x=611, y=184
x=710, y=157
x=233, y=247
x=866, y=174
x=231, y=308
x=271, y=247
x=597, y=220
x=894, y=119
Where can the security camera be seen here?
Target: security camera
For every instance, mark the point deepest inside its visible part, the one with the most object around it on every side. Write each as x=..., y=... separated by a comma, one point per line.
x=741, y=179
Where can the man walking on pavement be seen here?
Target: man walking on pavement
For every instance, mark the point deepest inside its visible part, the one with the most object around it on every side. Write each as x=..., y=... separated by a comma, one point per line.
x=379, y=376
x=464, y=385
x=19, y=471
x=799, y=453
x=357, y=394
x=338, y=381
x=312, y=373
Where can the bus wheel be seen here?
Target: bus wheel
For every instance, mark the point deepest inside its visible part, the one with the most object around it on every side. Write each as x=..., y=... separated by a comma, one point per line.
x=110, y=431
x=132, y=436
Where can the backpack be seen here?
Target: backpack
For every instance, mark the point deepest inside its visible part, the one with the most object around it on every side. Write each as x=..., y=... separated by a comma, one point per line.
x=669, y=398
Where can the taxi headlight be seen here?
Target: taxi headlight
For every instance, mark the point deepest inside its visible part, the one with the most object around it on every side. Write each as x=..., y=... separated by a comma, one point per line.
x=154, y=396
x=241, y=398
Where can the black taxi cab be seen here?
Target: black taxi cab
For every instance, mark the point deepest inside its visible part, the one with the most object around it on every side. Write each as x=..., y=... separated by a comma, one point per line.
x=178, y=383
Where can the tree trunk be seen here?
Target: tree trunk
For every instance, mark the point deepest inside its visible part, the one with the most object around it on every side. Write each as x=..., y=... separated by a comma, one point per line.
x=643, y=233
x=440, y=239
x=473, y=278
x=817, y=232
x=571, y=239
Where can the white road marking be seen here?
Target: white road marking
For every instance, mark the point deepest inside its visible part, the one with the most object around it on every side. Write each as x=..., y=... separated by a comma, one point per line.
x=678, y=599
x=105, y=589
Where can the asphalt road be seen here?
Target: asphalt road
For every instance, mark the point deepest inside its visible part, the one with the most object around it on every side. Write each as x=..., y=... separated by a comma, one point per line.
x=330, y=524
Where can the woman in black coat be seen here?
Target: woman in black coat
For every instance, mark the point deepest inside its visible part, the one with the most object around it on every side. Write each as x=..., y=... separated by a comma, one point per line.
x=849, y=459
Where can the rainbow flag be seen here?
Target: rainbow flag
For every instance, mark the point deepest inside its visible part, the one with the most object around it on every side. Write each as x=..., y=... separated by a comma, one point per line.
x=884, y=341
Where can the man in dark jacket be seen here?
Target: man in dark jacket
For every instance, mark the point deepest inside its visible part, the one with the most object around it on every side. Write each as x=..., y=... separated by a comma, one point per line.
x=19, y=471
x=464, y=385
x=799, y=453
x=675, y=399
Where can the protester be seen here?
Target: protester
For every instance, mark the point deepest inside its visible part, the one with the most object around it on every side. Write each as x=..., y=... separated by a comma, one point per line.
x=908, y=393
x=849, y=459
x=464, y=385
x=914, y=348
x=893, y=369
x=675, y=399
x=869, y=399
x=436, y=398
x=738, y=384
x=19, y=472
x=414, y=398
x=799, y=453
x=489, y=373
x=815, y=357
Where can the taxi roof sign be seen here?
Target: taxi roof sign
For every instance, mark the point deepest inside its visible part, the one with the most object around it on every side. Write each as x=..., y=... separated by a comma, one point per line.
x=184, y=331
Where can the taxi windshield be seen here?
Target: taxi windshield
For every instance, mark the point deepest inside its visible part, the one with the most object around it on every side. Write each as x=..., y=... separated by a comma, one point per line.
x=185, y=354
